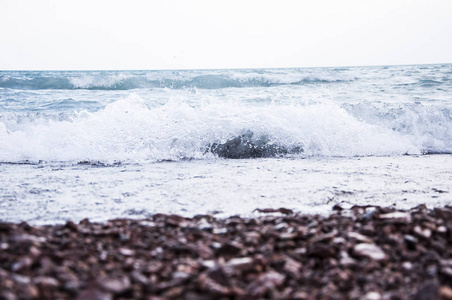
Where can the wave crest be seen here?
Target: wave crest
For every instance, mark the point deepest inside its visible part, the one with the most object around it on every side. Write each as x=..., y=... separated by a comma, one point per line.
x=175, y=80
x=128, y=130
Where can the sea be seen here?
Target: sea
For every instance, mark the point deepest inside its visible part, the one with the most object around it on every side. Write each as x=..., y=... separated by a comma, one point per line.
x=129, y=144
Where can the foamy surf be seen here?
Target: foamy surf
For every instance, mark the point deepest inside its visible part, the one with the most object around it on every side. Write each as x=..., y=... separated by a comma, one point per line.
x=109, y=144
x=128, y=130
x=123, y=80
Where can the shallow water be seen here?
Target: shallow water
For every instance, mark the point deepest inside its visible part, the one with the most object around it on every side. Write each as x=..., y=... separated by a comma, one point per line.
x=53, y=193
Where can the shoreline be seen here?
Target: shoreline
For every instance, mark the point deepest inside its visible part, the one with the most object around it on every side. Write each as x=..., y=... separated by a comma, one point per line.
x=366, y=252
x=221, y=187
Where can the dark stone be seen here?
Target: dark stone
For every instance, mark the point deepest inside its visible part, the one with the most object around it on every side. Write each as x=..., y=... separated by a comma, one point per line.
x=218, y=275
x=427, y=291
x=175, y=220
x=247, y=146
x=337, y=207
x=229, y=249
x=410, y=241
x=94, y=294
x=282, y=210
x=6, y=226
x=322, y=250
x=72, y=226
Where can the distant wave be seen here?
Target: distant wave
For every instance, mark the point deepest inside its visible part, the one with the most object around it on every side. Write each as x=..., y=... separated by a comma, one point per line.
x=429, y=83
x=430, y=125
x=128, y=130
x=176, y=80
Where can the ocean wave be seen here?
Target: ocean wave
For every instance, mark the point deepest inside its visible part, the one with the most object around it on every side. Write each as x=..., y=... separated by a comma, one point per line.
x=128, y=130
x=430, y=125
x=174, y=80
x=36, y=83
x=268, y=78
x=429, y=82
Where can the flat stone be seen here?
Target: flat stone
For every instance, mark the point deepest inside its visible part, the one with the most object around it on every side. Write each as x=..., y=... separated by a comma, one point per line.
x=291, y=266
x=322, y=250
x=115, y=285
x=126, y=251
x=29, y=238
x=229, y=249
x=176, y=220
x=423, y=232
x=274, y=278
x=369, y=250
x=138, y=277
x=359, y=237
x=22, y=264
x=397, y=217
x=46, y=281
x=208, y=264
x=372, y=296
x=241, y=263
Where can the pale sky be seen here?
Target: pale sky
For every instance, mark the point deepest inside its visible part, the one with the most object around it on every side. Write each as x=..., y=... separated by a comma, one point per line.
x=185, y=34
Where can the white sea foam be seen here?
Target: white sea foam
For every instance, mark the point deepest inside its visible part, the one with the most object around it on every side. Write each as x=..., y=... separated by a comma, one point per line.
x=126, y=80
x=128, y=130
x=99, y=81
x=284, y=77
x=353, y=125
x=54, y=192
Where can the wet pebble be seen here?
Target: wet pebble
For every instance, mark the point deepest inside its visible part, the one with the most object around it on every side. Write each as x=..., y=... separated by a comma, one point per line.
x=362, y=253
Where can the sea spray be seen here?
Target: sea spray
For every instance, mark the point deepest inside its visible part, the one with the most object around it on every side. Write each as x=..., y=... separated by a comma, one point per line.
x=115, y=144
x=180, y=114
x=129, y=80
x=128, y=130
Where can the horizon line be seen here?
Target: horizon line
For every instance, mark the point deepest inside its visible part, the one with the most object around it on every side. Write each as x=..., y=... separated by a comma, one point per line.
x=219, y=69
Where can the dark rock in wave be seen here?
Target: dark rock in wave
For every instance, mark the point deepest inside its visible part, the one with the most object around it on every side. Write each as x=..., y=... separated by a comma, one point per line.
x=247, y=146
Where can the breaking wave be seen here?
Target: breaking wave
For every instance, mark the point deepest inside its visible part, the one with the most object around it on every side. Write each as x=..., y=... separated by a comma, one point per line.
x=128, y=80
x=128, y=130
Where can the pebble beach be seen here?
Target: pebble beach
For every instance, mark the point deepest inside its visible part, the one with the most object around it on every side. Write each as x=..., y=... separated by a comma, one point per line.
x=299, y=183
x=366, y=252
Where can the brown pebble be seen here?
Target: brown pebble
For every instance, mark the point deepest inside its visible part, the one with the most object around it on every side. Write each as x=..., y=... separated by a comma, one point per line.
x=396, y=217
x=282, y=210
x=22, y=264
x=367, y=252
x=115, y=285
x=94, y=294
x=428, y=291
x=445, y=292
x=241, y=263
x=45, y=281
x=72, y=226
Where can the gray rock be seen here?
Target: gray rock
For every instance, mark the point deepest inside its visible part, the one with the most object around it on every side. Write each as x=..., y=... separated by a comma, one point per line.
x=248, y=146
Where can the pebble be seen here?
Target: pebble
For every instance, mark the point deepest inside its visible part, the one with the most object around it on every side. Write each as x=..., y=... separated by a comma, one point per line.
x=369, y=250
x=115, y=285
x=425, y=233
x=361, y=253
x=241, y=263
x=372, y=296
x=400, y=217
x=445, y=292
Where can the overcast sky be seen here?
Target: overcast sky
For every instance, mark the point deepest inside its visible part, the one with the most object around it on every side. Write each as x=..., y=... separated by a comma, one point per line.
x=185, y=34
